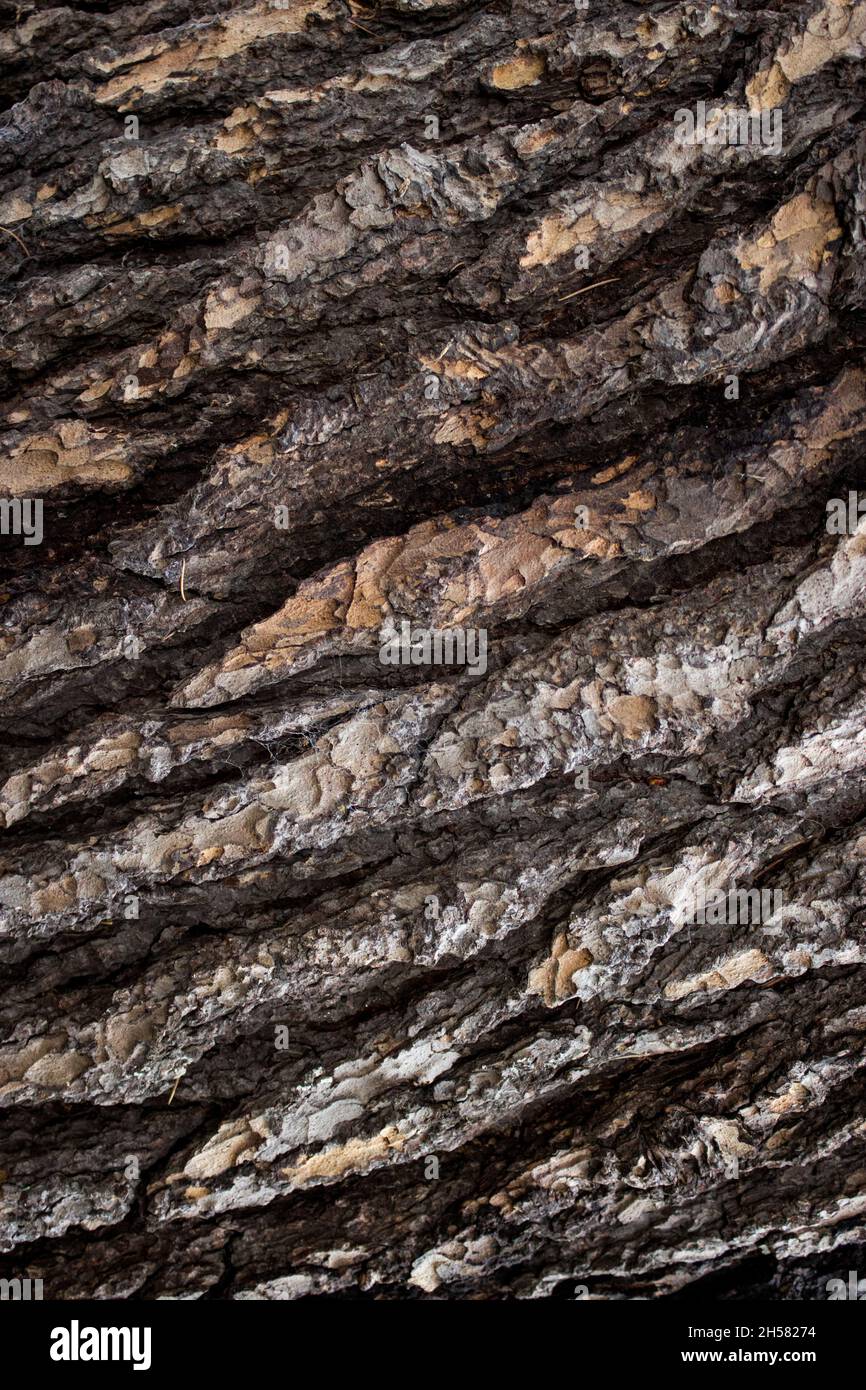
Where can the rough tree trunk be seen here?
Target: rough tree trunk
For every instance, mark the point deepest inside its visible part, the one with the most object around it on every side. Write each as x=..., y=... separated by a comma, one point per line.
x=323, y=975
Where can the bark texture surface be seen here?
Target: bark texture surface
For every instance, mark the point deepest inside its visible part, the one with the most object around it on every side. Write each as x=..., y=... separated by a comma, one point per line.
x=327, y=977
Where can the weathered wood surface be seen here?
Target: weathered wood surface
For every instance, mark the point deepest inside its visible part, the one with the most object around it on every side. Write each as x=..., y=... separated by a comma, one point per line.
x=432, y=276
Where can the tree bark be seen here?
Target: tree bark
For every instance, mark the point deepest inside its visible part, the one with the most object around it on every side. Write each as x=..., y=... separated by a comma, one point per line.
x=324, y=975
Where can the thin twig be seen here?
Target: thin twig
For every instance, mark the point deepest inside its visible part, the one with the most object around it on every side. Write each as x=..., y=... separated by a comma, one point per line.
x=9, y=232
x=182, y=573
x=587, y=288
x=174, y=1088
